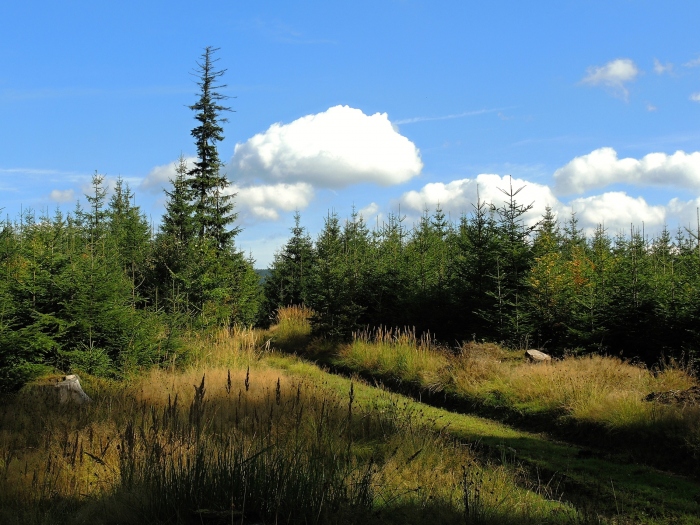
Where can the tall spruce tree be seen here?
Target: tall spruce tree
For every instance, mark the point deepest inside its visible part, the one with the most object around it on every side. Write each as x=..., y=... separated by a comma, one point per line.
x=213, y=207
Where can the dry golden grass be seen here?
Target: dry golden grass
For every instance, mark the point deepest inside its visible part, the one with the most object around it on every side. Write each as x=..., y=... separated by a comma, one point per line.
x=127, y=456
x=597, y=389
x=235, y=347
x=592, y=388
x=398, y=353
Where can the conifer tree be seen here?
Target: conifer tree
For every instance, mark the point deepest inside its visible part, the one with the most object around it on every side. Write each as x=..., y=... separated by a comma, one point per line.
x=177, y=219
x=129, y=234
x=213, y=206
x=290, y=272
x=476, y=243
x=329, y=298
x=512, y=267
x=390, y=278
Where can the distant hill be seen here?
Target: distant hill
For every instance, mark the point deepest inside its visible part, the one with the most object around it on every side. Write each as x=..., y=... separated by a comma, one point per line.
x=263, y=274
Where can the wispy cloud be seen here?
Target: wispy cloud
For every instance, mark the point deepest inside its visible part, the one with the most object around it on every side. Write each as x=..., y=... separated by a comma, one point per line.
x=34, y=171
x=282, y=32
x=692, y=63
x=695, y=97
x=660, y=68
x=613, y=75
x=564, y=139
x=413, y=120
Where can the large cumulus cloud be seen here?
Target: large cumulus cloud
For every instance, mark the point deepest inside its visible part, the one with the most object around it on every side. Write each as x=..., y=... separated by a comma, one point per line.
x=602, y=167
x=615, y=210
x=332, y=149
x=458, y=196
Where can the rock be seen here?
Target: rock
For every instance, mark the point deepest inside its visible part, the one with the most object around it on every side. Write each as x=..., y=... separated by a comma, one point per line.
x=537, y=357
x=70, y=391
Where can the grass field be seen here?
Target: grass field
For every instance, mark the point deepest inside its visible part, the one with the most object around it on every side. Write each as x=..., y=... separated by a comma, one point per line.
x=594, y=399
x=244, y=433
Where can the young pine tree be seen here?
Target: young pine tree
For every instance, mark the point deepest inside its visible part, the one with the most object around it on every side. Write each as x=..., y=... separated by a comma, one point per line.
x=290, y=272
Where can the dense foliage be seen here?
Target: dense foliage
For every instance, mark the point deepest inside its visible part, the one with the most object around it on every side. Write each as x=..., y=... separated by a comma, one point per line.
x=98, y=290
x=492, y=276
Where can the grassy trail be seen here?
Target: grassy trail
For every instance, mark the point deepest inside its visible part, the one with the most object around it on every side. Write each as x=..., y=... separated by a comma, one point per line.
x=618, y=489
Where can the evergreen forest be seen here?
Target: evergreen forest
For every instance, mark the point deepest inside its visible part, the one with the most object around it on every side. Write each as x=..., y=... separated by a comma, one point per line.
x=101, y=290
x=492, y=276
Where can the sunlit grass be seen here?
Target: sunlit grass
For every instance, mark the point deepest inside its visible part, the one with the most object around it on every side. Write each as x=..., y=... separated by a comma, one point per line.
x=229, y=435
x=398, y=353
x=601, y=390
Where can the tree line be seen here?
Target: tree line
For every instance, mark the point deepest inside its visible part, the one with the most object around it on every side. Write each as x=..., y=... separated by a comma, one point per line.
x=100, y=290
x=491, y=275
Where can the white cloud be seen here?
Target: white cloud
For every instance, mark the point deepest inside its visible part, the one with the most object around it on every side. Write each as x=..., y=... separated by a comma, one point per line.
x=695, y=97
x=457, y=197
x=660, y=68
x=613, y=75
x=160, y=176
x=693, y=63
x=617, y=211
x=62, y=195
x=602, y=167
x=266, y=201
x=413, y=120
x=333, y=149
x=685, y=212
x=370, y=212
x=651, y=107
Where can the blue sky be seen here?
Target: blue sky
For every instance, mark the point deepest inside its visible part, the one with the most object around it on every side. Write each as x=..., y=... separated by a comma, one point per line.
x=593, y=106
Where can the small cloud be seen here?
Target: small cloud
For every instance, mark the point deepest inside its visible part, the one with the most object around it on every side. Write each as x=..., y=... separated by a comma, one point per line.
x=692, y=63
x=160, y=176
x=695, y=97
x=617, y=210
x=369, y=211
x=660, y=68
x=264, y=202
x=613, y=75
x=62, y=195
x=458, y=196
x=651, y=107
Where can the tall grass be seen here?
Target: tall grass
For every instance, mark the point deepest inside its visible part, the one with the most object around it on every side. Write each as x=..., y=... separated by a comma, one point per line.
x=245, y=444
x=292, y=330
x=398, y=353
x=599, y=390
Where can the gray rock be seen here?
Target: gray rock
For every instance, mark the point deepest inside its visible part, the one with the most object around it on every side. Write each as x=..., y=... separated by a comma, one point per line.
x=536, y=356
x=70, y=391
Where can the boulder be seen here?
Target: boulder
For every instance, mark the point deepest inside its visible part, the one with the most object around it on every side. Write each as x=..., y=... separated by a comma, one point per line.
x=536, y=356
x=70, y=391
